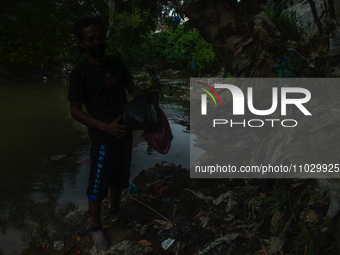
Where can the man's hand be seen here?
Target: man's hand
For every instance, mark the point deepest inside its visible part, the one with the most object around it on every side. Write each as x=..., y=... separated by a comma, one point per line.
x=115, y=129
x=132, y=88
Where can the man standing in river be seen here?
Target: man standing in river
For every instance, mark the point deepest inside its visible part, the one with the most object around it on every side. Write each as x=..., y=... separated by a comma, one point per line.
x=99, y=83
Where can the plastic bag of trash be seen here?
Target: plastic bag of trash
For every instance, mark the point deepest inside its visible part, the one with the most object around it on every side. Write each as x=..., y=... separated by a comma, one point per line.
x=160, y=138
x=142, y=112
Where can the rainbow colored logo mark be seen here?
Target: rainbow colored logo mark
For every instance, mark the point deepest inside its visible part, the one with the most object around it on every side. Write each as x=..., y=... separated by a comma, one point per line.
x=208, y=92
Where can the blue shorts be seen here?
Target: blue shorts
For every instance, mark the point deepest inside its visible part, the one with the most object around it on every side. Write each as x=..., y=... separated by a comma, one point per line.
x=110, y=168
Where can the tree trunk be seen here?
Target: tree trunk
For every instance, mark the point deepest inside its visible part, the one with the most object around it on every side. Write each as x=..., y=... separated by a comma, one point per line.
x=111, y=5
x=331, y=8
x=315, y=15
x=247, y=45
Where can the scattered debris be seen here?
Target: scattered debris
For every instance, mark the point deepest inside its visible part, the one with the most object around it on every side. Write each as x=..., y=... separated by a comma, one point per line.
x=167, y=243
x=58, y=245
x=276, y=244
x=261, y=218
x=218, y=241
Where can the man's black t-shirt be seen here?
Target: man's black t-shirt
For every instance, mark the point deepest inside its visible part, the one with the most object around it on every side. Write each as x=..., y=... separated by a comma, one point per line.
x=102, y=90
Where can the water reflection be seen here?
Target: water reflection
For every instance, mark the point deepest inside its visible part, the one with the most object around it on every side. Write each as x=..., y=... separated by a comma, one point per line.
x=37, y=126
x=42, y=200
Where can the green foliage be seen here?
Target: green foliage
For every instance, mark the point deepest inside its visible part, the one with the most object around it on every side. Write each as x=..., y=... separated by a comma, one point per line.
x=38, y=31
x=277, y=6
x=279, y=199
x=309, y=240
x=125, y=34
x=133, y=20
x=175, y=48
x=286, y=19
x=207, y=60
x=292, y=23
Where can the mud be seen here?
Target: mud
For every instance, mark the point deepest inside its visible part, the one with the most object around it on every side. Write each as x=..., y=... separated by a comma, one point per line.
x=179, y=215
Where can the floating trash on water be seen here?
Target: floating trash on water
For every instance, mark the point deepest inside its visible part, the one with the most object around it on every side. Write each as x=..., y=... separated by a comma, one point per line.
x=58, y=245
x=57, y=157
x=86, y=161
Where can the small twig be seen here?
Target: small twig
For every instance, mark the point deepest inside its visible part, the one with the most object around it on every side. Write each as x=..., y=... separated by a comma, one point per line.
x=160, y=231
x=178, y=246
x=155, y=211
x=264, y=250
x=330, y=248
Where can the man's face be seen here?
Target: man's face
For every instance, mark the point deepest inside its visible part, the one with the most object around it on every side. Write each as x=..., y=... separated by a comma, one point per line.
x=93, y=41
x=92, y=35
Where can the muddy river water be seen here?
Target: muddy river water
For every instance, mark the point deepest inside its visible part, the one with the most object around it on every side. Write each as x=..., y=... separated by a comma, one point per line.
x=44, y=158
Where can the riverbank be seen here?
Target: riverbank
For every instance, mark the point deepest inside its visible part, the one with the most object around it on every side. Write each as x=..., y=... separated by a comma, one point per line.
x=179, y=215
x=29, y=74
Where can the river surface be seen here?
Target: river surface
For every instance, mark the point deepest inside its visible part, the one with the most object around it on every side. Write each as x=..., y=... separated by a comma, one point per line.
x=44, y=157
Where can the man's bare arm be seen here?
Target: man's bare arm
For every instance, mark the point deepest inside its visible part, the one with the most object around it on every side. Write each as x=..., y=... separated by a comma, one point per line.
x=113, y=128
x=132, y=88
